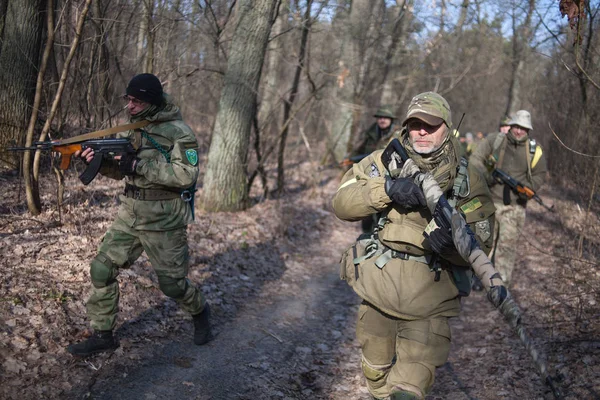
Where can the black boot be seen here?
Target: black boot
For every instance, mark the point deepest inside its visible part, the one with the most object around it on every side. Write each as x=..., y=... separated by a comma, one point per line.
x=202, y=332
x=99, y=341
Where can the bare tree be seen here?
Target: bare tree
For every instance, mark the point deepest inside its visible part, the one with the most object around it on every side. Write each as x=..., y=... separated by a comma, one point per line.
x=287, y=107
x=19, y=57
x=225, y=182
x=521, y=38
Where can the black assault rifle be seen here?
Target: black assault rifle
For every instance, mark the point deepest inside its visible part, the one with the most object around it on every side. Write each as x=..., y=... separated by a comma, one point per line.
x=103, y=149
x=517, y=187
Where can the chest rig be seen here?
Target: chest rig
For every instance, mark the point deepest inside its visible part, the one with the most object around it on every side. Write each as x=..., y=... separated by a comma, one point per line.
x=373, y=247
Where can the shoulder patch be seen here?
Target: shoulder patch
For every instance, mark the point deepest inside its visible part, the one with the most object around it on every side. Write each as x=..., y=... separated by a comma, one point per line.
x=471, y=206
x=373, y=171
x=192, y=156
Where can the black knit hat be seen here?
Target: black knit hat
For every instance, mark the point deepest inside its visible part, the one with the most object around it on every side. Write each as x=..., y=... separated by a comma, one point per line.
x=146, y=87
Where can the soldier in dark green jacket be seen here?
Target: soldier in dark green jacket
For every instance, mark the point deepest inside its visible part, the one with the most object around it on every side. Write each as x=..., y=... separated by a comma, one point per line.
x=156, y=207
x=378, y=134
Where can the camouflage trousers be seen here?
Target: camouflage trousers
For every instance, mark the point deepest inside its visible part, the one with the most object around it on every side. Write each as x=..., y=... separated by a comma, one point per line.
x=120, y=247
x=510, y=220
x=400, y=355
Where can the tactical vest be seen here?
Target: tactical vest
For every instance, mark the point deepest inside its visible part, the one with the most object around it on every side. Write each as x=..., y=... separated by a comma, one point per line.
x=400, y=235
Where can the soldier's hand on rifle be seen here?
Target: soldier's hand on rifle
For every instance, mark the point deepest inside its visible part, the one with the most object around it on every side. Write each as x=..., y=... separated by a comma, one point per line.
x=440, y=238
x=500, y=297
x=127, y=163
x=404, y=192
x=87, y=155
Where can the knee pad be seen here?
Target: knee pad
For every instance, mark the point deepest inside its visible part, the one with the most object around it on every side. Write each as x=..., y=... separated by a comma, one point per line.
x=404, y=395
x=373, y=373
x=102, y=271
x=173, y=287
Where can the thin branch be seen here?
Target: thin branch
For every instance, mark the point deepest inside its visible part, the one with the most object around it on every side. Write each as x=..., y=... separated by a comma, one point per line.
x=567, y=147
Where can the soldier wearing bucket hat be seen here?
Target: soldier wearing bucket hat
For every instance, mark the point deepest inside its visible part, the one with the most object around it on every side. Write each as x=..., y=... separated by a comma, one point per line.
x=520, y=156
x=402, y=323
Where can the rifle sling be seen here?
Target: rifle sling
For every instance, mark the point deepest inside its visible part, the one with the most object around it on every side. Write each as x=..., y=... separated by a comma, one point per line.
x=103, y=132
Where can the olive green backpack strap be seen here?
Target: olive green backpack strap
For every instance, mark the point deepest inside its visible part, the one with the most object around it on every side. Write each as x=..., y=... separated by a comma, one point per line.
x=461, y=187
x=498, y=149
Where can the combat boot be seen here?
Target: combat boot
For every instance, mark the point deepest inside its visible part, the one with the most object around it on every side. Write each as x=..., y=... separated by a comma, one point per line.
x=99, y=341
x=202, y=331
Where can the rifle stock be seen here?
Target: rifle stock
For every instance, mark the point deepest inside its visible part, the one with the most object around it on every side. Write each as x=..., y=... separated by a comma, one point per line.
x=103, y=149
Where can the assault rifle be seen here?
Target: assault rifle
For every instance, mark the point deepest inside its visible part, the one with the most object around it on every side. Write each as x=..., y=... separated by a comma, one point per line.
x=103, y=149
x=517, y=187
x=394, y=157
x=346, y=162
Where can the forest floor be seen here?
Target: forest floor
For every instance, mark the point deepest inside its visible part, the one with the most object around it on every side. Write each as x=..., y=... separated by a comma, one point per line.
x=284, y=322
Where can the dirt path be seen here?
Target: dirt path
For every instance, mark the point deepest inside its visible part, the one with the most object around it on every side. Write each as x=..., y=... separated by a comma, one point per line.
x=284, y=321
x=293, y=341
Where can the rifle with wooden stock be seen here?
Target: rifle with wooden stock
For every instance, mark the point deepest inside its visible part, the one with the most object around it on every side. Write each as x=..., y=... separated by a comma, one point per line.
x=104, y=149
x=518, y=188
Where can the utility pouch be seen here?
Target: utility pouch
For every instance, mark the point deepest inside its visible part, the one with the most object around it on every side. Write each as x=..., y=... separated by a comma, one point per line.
x=462, y=277
x=363, y=249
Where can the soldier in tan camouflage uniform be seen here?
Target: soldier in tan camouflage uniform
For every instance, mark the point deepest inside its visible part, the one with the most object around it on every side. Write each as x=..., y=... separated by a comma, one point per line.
x=156, y=207
x=411, y=284
x=521, y=157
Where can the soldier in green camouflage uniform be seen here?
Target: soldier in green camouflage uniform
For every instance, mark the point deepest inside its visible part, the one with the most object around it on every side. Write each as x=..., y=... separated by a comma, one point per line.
x=521, y=157
x=155, y=209
x=411, y=284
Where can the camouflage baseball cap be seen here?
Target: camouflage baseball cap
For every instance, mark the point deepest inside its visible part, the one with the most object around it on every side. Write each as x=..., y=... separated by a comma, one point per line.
x=386, y=112
x=431, y=108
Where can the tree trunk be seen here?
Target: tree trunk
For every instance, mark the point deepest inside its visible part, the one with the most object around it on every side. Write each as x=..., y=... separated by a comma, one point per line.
x=142, y=30
x=287, y=107
x=102, y=102
x=225, y=183
x=19, y=58
x=352, y=63
x=3, y=7
x=32, y=188
x=269, y=110
x=58, y=95
x=398, y=36
x=520, y=44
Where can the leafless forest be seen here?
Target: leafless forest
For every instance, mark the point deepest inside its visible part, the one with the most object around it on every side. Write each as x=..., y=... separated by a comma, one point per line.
x=278, y=92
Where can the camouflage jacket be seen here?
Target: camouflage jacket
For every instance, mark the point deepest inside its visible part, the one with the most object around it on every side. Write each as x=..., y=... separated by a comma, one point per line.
x=173, y=167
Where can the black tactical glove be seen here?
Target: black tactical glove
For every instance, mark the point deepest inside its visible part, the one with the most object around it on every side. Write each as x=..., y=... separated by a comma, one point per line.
x=404, y=192
x=500, y=297
x=127, y=163
x=440, y=239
